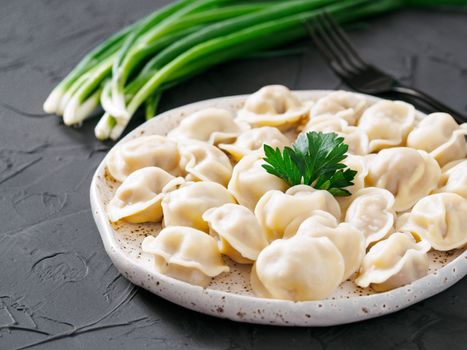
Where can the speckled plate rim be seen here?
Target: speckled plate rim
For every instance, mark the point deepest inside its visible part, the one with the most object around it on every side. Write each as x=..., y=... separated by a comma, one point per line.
x=258, y=310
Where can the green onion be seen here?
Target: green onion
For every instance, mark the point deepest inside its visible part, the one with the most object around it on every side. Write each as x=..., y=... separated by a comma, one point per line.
x=151, y=105
x=133, y=67
x=220, y=46
x=138, y=47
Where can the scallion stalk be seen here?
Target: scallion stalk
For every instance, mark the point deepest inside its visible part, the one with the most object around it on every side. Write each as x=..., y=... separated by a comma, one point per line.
x=133, y=67
x=210, y=48
x=130, y=56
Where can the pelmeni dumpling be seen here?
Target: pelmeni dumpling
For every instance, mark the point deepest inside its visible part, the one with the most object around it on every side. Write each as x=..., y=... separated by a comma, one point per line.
x=282, y=213
x=454, y=178
x=360, y=165
x=356, y=139
x=441, y=136
x=387, y=124
x=371, y=212
x=250, y=181
x=253, y=140
x=441, y=219
x=393, y=262
x=273, y=105
x=238, y=232
x=300, y=268
x=325, y=123
x=349, y=240
x=407, y=173
x=186, y=205
x=204, y=162
x=212, y=125
x=185, y=254
x=353, y=136
x=138, y=199
x=144, y=151
x=343, y=104
x=401, y=220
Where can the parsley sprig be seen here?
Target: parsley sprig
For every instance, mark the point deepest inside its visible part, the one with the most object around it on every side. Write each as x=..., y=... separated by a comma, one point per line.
x=315, y=160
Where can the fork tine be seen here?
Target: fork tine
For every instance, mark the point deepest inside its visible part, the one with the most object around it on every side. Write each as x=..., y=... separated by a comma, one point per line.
x=334, y=46
x=318, y=35
x=321, y=46
x=342, y=41
x=339, y=49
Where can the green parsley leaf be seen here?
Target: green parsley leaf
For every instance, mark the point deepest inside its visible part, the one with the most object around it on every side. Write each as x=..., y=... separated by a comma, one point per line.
x=315, y=160
x=281, y=164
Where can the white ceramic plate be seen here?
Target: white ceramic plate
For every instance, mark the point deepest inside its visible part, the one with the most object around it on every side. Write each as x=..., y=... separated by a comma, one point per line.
x=229, y=295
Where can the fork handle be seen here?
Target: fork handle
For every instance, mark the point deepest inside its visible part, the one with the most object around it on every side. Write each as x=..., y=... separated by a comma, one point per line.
x=430, y=101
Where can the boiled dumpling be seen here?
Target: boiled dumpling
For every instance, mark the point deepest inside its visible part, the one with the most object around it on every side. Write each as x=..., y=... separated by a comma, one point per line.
x=326, y=123
x=371, y=212
x=204, y=162
x=387, y=124
x=238, y=232
x=185, y=254
x=300, y=268
x=250, y=181
x=401, y=220
x=349, y=240
x=454, y=178
x=138, y=199
x=212, y=125
x=253, y=140
x=282, y=213
x=273, y=105
x=353, y=136
x=342, y=104
x=356, y=139
x=186, y=205
x=144, y=151
x=394, y=262
x=441, y=136
x=360, y=165
x=407, y=173
x=441, y=219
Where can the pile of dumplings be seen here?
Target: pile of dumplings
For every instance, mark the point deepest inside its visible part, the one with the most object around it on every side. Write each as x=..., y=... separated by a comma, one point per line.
x=205, y=182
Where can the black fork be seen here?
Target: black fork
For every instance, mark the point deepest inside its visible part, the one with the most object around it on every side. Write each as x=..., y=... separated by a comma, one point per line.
x=344, y=60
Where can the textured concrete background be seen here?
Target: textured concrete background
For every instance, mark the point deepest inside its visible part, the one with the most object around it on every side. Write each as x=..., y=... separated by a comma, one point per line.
x=57, y=285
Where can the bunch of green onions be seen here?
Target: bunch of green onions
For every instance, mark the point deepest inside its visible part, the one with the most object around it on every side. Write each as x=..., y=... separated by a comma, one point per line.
x=132, y=68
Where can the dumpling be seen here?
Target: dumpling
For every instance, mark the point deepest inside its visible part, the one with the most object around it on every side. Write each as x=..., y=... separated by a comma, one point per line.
x=282, y=213
x=250, y=181
x=401, y=220
x=393, y=262
x=138, y=199
x=204, y=162
x=238, y=232
x=441, y=136
x=454, y=178
x=212, y=125
x=273, y=105
x=356, y=139
x=371, y=212
x=300, y=268
x=345, y=105
x=441, y=219
x=326, y=123
x=144, y=151
x=407, y=173
x=387, y=124
x=185, y=254
x=253, y=140
x=186, y=205
x=349, y=240
x=353, y=136
x=360, y=165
